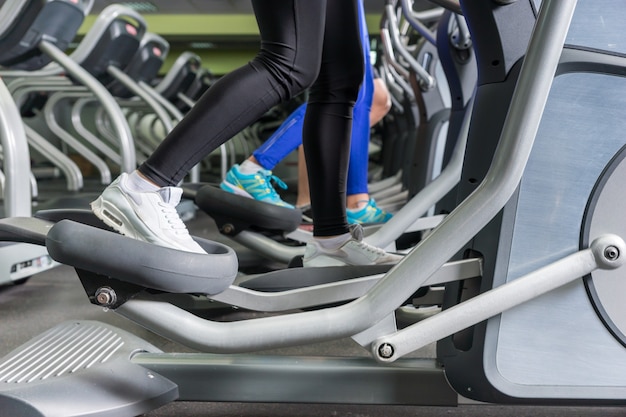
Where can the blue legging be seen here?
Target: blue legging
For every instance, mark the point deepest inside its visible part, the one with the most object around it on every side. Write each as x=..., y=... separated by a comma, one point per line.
x=289, y=135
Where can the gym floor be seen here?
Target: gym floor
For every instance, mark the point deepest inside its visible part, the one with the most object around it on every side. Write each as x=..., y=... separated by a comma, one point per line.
x=56, y=296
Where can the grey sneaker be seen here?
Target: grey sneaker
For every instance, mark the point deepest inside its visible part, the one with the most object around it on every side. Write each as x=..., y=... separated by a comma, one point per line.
x=147, y=216
x=353, y=252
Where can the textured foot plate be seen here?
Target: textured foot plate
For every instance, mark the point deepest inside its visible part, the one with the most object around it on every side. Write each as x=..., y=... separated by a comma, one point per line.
x=81, y=368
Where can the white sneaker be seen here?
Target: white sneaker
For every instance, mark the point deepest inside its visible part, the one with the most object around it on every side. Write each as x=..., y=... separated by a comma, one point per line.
x=147, y=216
x=353, y=252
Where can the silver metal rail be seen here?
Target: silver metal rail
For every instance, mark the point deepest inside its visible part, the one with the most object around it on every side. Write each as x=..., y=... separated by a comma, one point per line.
x=452, y=5
x=429, y=195
x=16, y=159
x=606, y=252
x=71, y=140
x=422, y=29
x=136, y=89
x=427, y=81
x=118, y=121
x=77, y=123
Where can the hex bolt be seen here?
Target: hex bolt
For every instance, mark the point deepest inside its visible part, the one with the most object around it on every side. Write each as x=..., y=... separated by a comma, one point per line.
x=385, y=351
x=106, y=296
x=611, y=253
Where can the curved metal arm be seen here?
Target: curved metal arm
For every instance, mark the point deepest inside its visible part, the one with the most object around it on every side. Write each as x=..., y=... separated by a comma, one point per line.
x=16, y=162
x=500, y=299
x=416, y=24
x=117, y=118
x=461, y=38
x=402, y=83
x=452, y=5
x=388, y=53
x=427, y=82
x=69, y=139
x=393, y=86
x=429, y=195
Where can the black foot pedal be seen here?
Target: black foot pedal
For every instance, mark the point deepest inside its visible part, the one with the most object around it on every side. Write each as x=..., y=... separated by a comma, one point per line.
x=81, y=368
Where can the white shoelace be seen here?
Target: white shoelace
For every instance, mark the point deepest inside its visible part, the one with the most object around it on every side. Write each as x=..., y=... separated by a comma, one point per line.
x=173, y=219
x=372, y=249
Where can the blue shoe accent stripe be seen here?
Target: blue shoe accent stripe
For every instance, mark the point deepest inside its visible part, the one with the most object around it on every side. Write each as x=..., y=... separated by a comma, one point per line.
x=258, y=185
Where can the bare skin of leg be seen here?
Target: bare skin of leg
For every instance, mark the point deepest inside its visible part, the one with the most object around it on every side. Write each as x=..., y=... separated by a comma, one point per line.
x=251, y=158
x=381, y=102
x=303, y=198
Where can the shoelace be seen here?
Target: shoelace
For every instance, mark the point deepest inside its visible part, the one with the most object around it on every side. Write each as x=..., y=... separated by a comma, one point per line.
x=269, y=178
x=372, y=249
x=356, y=230
x=173, y=219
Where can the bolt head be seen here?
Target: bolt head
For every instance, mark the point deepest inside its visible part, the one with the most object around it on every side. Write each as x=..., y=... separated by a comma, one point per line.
x=611, y=253
x=385, y=351
x=105, y=296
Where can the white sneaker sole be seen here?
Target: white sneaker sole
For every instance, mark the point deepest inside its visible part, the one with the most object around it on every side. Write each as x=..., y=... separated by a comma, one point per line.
x=235, y=190
x=114, y=218
x=320, y=261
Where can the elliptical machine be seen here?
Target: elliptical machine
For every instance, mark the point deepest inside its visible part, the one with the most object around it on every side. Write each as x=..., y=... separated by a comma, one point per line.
x=137, y=379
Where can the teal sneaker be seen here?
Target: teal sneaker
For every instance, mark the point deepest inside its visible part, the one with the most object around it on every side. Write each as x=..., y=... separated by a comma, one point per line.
x=369, y=213
x=257, y=186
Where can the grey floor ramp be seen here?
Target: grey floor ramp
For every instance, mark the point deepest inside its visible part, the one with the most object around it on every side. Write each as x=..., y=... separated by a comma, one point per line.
x=84, y=360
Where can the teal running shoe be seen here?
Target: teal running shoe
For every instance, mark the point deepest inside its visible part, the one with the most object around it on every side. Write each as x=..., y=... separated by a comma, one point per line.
x=257, y=186
x=369, y=213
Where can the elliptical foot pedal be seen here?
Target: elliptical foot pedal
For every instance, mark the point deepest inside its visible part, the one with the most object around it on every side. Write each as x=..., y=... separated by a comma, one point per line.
x=81, y=368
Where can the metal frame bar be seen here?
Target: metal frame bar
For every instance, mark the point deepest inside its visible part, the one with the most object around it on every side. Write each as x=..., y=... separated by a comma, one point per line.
x=69, y=139
x=98, y=143
x=502, y=298
x=16, y=157
x=114, y=112
x=334, y=292
x=429, y=195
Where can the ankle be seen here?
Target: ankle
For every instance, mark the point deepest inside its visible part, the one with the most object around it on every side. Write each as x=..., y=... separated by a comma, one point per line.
x=333, y=242
x=138, y=182
x=357, y=201
x=248, y=167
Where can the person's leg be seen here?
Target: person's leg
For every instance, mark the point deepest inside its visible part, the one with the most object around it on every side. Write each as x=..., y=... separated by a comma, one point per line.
x=328, y=120
x=288, y=62
x=361, y=208
x=249, y=179
x=326, y=140
x=360, y=137
x=381, y=102
x=283, y=141
x=304, y=195
x=253, y=178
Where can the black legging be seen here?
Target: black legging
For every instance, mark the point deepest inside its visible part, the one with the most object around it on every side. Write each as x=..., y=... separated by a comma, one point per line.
x=304, y=44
